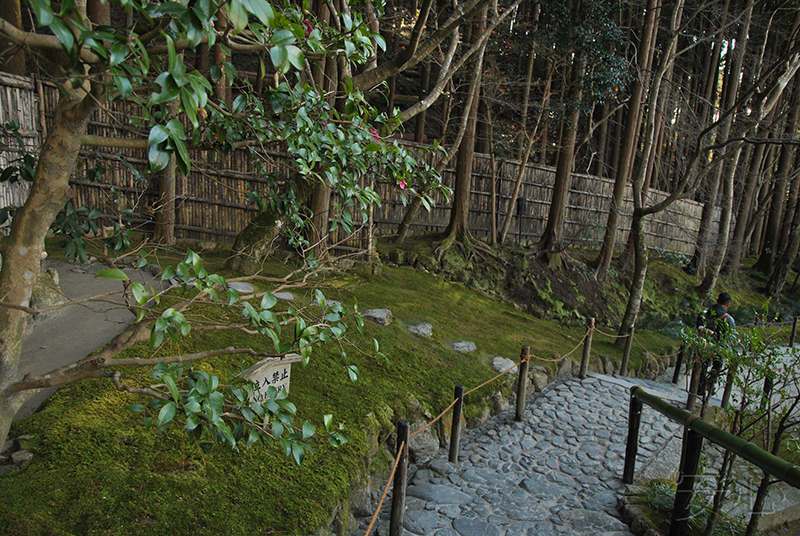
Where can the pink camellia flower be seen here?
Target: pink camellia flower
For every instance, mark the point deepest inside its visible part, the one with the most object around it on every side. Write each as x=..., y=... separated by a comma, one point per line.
x=374, y=134
x=309, y=28
x=402, y=185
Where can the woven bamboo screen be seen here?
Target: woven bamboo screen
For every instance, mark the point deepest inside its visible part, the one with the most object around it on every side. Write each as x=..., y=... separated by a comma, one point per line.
x=211, y=201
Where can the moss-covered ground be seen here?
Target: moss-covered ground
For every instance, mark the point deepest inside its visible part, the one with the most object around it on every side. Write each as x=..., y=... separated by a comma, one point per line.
x=97, y=470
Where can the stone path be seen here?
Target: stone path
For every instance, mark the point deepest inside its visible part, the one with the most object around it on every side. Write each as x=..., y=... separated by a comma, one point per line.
x=557, y=472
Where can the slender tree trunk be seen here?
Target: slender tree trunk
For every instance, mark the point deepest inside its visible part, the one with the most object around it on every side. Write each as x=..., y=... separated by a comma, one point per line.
x=548, y=85
x=745, y=210
x=23, y=248
x=552, y=239
x=772, y=232
x=732, y=154
x=526, y=94
x=629, y=140
x=787, y=254
x=458, y=228
x=165, y=211
x=13, y=63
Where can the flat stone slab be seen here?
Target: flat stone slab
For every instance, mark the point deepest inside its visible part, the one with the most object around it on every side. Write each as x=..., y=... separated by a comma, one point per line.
x=502, y=364
x=475, y=527
x=591, y=520
x=423, y=330
x=241, y=287
x=464, y=347
x=285, y=296
x=439, y=493
x=383, y=317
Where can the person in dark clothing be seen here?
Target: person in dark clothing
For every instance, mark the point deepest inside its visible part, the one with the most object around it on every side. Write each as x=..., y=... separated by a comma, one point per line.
x=715, y=324
x=717, y=319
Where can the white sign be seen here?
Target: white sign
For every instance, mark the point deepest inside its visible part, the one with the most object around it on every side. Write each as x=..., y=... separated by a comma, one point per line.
x=270, y=372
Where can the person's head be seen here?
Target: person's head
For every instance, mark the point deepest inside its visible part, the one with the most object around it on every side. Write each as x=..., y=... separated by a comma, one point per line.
x=724, y=299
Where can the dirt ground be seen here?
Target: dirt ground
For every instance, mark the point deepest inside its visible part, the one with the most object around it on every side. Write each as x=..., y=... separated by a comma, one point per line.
x=64, y=336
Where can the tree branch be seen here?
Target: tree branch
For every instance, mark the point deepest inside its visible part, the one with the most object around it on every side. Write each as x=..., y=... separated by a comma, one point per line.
x=230, y=350
x=147, y=392
x=448, y=72
x=43, y=382
x=372, y=77
x=40, y=41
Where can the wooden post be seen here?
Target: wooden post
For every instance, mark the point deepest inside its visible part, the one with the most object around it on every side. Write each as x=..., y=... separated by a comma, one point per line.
x=626, y=354
x=400, y=481
x=681, y=356
x=522, y=382
x=632, y=447
x=691, y=400
x=692, y=447
x=726, y=394
x=455, y=432
x=794, y=333
x=587, y=348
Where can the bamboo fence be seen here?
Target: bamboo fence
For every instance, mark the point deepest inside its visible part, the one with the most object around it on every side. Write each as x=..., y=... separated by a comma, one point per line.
x=211, y=204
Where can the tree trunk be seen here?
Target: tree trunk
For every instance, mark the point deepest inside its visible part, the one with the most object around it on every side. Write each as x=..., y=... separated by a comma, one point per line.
x=638, y=277
x=14, y=63
x=552, y=239
x=726, y=203
x=772, y=232
x=458, y=228
x=320, y=205
x=23, y=248
x=165, y=210
x=745, y=210
x=788, y=253
x=257, y=240
x=629, y=140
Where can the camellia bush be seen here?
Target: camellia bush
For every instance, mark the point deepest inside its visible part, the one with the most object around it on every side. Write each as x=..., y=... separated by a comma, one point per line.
x=330, y=136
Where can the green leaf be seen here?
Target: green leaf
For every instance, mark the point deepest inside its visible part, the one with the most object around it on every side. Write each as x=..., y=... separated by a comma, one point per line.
x=328, y=420
x=308, y=430
x=261, y=9
x=118, y=53
x=192, y=421
x=237, y=13
x=166, y=414
x=63, y=33
x=268, y=301
x=113, y=273
x=299, y=453
x=43, y=11
x=280, y=58
x=136, y=407
x=252, y=437
x=158, y=159
x=352, y=371
x=140, y=294
x=173, y=388
x=296, y=57
x=283, y=37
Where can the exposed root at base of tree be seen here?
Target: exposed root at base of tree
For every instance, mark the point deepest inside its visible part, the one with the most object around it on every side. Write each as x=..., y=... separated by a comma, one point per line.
x=469, y=247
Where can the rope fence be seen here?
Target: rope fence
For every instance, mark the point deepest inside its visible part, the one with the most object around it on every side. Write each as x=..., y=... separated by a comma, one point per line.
x=400, y=467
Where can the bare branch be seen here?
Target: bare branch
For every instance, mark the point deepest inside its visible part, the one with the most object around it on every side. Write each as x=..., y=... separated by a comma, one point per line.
x=147, y=392
x=43, y=382
x=135, y=361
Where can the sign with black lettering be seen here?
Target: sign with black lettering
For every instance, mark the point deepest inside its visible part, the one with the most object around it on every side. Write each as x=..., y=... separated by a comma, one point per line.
x=271, y=372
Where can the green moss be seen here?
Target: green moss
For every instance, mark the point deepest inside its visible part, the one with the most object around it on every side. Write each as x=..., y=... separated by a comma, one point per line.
x=97, y=470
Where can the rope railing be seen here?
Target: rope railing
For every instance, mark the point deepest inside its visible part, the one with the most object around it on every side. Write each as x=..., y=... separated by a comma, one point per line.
x=401, y=461
x=386, y=489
